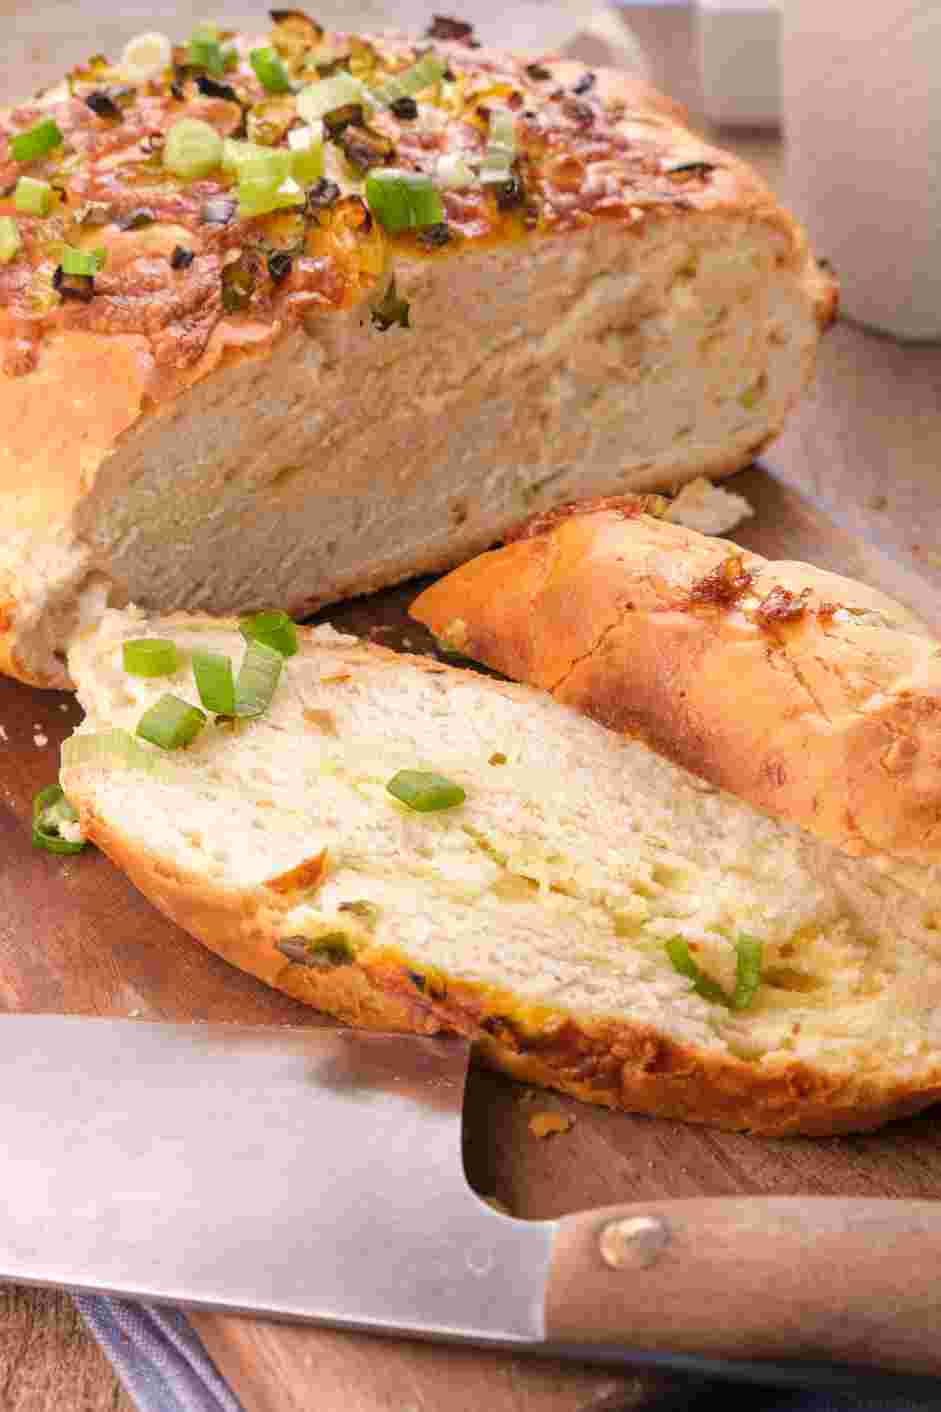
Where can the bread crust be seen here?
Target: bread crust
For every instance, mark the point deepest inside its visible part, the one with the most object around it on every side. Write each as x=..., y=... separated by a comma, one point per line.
x=81, y=385
x=812, y=697
x=607, y=1063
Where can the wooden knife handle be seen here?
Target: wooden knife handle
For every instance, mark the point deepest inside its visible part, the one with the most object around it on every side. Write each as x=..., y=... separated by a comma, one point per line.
x=821, y=1279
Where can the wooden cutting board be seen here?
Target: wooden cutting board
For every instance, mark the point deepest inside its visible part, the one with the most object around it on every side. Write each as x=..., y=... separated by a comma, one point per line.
x=76, y=938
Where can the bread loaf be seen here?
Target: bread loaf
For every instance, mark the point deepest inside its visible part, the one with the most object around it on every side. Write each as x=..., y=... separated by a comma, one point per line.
x=815, y=698
x=536, y=916
x=231, y=413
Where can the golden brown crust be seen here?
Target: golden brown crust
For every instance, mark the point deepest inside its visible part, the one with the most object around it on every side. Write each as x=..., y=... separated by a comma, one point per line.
x=636, y=158
x=606, y=1062
x=589, y=146
x=812, y=697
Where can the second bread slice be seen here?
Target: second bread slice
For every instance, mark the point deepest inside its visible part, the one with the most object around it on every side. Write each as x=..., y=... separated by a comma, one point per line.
x=536, y=915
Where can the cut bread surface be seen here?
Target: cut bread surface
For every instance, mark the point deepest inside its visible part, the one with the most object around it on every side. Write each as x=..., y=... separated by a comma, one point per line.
x=535, y=916
x=344, y=459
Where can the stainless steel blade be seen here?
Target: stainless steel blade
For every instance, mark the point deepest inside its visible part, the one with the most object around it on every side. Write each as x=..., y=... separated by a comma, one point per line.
x=309, y=1173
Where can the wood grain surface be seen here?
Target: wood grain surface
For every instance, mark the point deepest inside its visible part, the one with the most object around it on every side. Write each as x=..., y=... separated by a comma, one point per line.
x=48, y=1360
x=74, y=937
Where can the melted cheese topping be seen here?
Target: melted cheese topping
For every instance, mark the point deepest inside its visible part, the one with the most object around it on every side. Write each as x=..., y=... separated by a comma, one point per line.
x=582, y=154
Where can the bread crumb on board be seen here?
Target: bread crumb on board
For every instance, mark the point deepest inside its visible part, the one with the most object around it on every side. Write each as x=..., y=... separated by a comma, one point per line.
x=708, y=508
x=549, y=1124
x=40, y=739
x=3, y=733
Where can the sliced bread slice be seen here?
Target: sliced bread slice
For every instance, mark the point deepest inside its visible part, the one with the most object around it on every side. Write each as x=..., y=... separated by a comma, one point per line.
x=542, y=915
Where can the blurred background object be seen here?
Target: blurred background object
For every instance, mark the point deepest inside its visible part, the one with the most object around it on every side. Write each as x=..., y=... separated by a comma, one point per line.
x=863, y=124
x=853, y=89
x=738, y=46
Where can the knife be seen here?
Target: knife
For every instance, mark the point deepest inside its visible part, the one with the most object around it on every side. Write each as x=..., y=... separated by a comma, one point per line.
x=315, y=1174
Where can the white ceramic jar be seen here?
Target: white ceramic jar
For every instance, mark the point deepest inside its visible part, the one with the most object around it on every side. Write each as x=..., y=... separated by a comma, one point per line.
x=862, y=115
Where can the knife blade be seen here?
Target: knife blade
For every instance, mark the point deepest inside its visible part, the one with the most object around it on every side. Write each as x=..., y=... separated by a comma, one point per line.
x=316, y=1174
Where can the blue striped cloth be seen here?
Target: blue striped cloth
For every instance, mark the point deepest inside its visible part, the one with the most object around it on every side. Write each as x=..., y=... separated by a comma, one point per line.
x=157, y=1356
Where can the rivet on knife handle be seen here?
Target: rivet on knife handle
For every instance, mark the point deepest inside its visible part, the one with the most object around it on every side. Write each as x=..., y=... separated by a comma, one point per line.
x=821, y=1279
x=634, y=1243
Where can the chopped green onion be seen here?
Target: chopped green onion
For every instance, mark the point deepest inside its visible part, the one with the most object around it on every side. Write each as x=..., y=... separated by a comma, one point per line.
x=327, y=94
x=32, y=197
x=257, y=163
x=239, y=279
x=429, y=70
x=51, y=810
x=747, y=972
x=257, y=679
x=425, y=791
x=388, y=200
x=332, y=949
x=82, y=262
x=682, y=961
x=306, y=144
x=36, y=141
x=258, y=197
x=238, y=155
x=204, y=50
x=232, y=154
x=149, y=656
x=748, y=951
x=390, y=309
x=274, y=628
x=367, y=913
x=453, y=172
x=270, y=70
x=426, y=204
x=230, y=57
x=9, y=239
x=192, y=149
x=146, y=56
x=263, y=170
x=497, y=165
x=214, y=681
x=402, y=200
x=171, y=723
